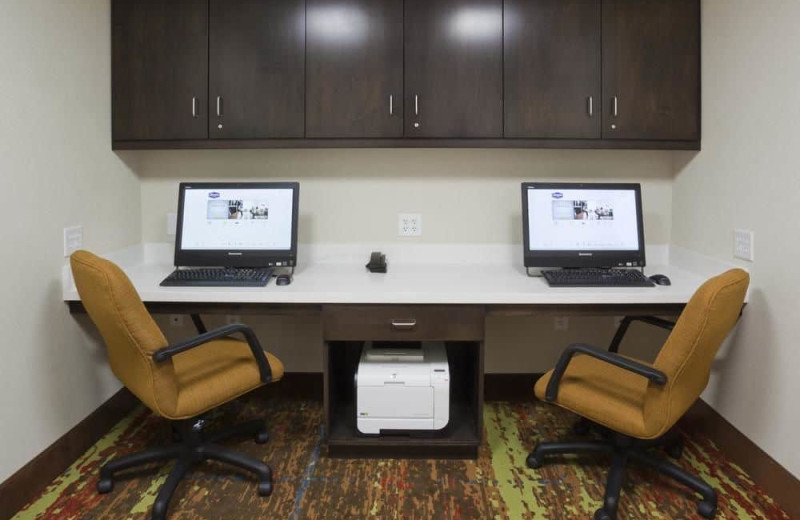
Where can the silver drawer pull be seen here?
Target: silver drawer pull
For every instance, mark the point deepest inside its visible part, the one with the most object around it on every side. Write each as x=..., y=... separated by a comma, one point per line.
x=219, y=106
x=590, y=107
x=391, y=105
x=194, y=107
x=615, y=106
x=404, y=324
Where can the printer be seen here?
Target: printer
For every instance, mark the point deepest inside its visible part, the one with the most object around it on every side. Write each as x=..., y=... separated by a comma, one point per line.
x=404, y=388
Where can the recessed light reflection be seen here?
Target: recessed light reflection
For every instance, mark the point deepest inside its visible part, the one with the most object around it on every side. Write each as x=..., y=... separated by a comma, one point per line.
x=338, y=24
x=475, y=24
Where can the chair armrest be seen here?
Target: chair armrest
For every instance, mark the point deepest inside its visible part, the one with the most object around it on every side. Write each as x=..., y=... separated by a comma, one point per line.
x=626, y=322
x=167, y=352
x=655, y=376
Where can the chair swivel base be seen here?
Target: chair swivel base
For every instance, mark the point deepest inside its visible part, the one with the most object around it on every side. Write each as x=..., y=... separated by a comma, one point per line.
x=623, y=450
x=192, y=446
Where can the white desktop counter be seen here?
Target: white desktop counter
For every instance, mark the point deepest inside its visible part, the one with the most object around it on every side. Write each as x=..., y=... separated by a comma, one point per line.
x=417, y=274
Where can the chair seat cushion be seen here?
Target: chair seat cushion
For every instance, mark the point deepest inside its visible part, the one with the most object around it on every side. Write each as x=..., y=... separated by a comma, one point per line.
x=602, y=393
x=215, y=373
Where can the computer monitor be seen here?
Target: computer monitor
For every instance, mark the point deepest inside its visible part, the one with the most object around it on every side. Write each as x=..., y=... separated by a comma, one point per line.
x=582, y=225
x=250, y=224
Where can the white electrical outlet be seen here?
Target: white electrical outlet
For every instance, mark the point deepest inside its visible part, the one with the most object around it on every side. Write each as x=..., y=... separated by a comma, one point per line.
x=233, y=318
x=73, y=239
x=172, y=224
x=176, y=320
x=743, y=244
x=409, y=225
x=561, y=323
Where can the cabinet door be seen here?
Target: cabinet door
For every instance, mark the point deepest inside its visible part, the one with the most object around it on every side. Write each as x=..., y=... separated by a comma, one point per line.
x=160, y=69
x=454, y=68
x=355, y=68
x=257, y=69
x=651, y=69
x=552, y=62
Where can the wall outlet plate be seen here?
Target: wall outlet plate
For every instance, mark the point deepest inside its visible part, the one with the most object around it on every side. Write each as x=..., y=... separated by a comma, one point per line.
x=230, y=319
x=743, y=244
x=172, y=224
x=561, y=323
x=73, y=239
x=409, y=225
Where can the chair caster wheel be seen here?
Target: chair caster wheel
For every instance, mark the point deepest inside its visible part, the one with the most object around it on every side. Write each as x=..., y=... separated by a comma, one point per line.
x=265, y=488
x=534, y=461
x=581, y=428
x=105, y=485
x=262, y=437
x=602, y=514
x=707, y=509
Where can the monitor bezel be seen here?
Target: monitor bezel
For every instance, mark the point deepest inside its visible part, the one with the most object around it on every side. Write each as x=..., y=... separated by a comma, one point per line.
x=236, y=257
x=582, y=258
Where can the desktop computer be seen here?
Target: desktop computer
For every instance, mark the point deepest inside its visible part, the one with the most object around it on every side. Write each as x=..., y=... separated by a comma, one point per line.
x=234, y=234
x=593, y=232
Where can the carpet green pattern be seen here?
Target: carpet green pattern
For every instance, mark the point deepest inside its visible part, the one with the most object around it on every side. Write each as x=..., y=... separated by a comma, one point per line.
x=309, y=485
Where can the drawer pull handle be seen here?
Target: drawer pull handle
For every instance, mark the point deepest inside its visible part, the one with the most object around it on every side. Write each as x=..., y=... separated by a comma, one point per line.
x=404, y=324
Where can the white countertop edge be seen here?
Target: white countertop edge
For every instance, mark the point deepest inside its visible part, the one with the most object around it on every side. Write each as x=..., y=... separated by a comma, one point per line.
x=439, y=269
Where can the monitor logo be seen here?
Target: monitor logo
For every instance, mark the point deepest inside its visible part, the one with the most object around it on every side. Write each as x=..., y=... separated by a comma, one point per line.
x=585, y=254
x=213, y=195
x=558, y=195
x=231, y=253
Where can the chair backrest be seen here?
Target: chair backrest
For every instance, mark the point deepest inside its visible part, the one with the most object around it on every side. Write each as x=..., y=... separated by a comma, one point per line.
x=688, y=353
x=129, y=332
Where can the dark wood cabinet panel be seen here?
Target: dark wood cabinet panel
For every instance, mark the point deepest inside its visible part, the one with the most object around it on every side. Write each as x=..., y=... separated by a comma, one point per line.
x=454, y=68
x=257, y=69
x=651, y=69
x=552, y=62
x=160, y=69
x=355, y=68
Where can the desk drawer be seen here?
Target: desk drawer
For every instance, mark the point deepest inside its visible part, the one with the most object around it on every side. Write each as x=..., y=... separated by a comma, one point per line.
x=402, y=322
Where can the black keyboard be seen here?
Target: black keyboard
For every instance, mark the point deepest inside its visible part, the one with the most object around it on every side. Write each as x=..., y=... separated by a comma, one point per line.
x=219, y=277
x=596, y=278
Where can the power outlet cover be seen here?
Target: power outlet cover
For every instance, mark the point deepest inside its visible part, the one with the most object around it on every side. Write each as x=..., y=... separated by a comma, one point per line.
x=409, y=225
x=73, y=239
x=743, y=244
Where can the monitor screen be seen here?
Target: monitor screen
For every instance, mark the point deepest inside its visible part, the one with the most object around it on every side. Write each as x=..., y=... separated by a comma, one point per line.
x=582, y=225
x=237, y=224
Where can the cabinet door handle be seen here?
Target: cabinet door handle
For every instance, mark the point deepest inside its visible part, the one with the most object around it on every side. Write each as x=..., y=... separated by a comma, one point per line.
x=404, y=324
x=194, y=107
x=219, y=106
x=416, y=105
x=590, y=106
x=391, y=105
x=615, y=105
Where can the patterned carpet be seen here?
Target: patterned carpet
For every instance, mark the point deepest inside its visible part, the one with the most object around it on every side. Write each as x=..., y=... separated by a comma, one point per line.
x=309, y=485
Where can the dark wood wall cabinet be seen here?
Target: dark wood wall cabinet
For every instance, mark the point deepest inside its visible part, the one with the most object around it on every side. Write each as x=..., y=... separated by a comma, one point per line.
x=406, y=73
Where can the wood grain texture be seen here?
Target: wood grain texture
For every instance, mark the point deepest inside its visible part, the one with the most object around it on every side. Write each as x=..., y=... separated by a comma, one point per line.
x=651, y=63
x=257, y=69
x=355, y=63
x=454, y=64
x=552, y=68
x=574, y=144
x=431, y=322
x=159, y=64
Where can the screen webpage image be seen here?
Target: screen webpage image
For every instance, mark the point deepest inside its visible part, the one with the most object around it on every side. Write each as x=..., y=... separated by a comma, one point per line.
x=237, y=219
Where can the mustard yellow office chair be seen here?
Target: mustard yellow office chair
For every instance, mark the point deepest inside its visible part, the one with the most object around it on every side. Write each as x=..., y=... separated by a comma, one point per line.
x=635, y=405
x=179, y=382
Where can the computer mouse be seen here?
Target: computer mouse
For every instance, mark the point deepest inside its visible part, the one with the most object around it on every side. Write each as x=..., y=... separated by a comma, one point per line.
x=660, y=279
x=283, y=279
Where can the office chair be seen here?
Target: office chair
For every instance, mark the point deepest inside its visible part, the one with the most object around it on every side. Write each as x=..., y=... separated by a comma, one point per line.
x=179, y=382
x=635, y=404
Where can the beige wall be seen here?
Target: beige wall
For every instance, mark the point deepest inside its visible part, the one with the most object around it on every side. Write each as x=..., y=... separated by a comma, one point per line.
x=748, y=176
x=348, y=196
x=57, y=170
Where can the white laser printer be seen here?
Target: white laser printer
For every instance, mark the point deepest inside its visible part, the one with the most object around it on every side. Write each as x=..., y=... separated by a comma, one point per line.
x=403, y=389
